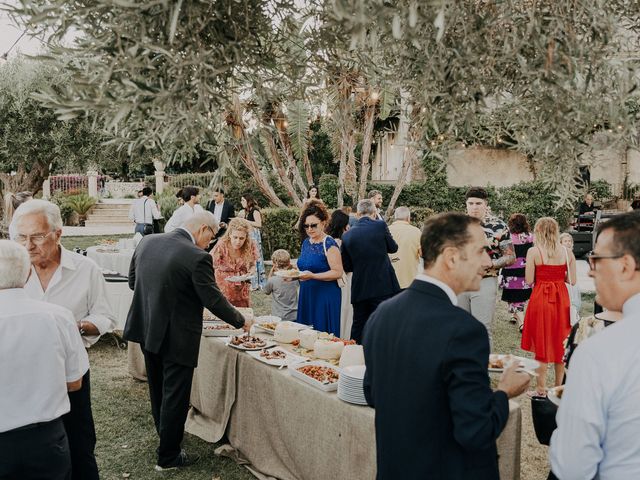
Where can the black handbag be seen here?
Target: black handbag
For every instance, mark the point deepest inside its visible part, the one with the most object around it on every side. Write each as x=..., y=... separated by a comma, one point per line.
x=148, y=228
x=543, y=412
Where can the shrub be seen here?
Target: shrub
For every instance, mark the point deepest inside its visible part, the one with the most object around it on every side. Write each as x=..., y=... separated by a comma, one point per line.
x=279, y=230
x=419, y=215
x=66, y=212
x=601, y=190
x=167, y=202
x=81, y=204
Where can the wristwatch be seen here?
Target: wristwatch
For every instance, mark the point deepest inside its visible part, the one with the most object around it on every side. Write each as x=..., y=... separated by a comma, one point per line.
x=82, y=332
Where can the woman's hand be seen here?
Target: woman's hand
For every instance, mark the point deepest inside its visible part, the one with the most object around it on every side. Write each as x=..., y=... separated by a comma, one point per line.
x=306, y=275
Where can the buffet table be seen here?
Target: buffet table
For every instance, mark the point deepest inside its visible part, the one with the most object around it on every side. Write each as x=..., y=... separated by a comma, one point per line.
x=280, y=427
x=117, y=261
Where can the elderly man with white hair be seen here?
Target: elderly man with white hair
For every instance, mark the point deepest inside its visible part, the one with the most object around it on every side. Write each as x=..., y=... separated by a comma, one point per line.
x=406, y=260
x=75, y=282
x=41, y=358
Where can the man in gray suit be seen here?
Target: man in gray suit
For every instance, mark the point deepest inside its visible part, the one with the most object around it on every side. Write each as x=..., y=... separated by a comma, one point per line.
x=172, y=279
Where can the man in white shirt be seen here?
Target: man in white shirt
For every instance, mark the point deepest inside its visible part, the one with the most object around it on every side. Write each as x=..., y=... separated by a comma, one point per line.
x=191, y=197
x=598, y=434
x=143, y=211
x=74, y=282
x=41, y=358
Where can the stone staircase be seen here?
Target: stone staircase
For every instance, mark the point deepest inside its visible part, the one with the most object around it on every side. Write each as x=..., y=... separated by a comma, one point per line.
x=110, y=213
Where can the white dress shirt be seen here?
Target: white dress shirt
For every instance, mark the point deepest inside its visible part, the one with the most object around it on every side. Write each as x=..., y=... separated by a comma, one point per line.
x=143, y=213
x=217, y=211
x=40, y=351
x=598, y=434
x=439, y=283
x=181, y=215
x=78, y=285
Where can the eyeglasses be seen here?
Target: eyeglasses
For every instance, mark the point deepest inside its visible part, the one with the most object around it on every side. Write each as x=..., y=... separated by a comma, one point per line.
x=36, y=239
x=307, y=226
x=592, y=258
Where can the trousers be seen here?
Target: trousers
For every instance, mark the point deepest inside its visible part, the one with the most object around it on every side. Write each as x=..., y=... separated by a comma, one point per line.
x=81, y=432
x=35, y=452
x=169, y=392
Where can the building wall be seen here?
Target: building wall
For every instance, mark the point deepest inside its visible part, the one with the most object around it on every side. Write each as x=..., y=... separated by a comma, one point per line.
x=487, y=166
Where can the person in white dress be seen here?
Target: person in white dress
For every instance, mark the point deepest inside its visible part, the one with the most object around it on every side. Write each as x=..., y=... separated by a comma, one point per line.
x=191, y=197
x=339, y=224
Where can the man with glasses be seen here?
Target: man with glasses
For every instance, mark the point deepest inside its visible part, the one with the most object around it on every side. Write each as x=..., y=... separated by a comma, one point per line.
x=598, y=434
x=75, y=282
x=171, y=276
x=365, y=252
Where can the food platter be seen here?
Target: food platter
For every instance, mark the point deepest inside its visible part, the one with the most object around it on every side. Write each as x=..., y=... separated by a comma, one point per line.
x=239, y=278
x=219, y=329
x=290, y=274
x=270, y=327
x=276, y=356
x=555, y=394
x=247, y=343
x=319, y=374
x=497, y=362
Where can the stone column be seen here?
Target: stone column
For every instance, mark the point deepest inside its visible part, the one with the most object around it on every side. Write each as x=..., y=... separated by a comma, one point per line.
x=159, y=166
x=93, y=183
x=46, y=189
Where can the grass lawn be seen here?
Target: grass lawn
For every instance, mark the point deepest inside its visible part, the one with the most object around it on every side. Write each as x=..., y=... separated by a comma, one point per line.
x=127, y=440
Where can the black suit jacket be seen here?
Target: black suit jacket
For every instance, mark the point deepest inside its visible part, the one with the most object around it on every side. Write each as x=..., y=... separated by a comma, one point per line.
x=228, y=212
x=365, y=252
x=172, y=279
x=436, y=415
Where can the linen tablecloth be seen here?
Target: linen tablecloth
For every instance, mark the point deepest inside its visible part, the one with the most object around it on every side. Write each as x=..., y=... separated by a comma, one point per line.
x=116, y=261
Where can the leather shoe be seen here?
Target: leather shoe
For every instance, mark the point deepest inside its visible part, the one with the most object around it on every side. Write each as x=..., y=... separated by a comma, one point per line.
x=182, y=460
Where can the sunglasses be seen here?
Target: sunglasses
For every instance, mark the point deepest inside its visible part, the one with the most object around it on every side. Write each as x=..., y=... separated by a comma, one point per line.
x=307, y=226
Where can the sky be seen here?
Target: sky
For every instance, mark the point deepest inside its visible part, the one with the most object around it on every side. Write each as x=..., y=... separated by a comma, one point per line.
x=10, y=32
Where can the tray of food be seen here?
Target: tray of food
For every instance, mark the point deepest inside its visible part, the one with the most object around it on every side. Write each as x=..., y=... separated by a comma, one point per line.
x=219, y=329
x=555, y=394
x=290, y=274
x=320, y=374
x=276, y=356
x=498, y=362
x=239, y=278
x=247, y=342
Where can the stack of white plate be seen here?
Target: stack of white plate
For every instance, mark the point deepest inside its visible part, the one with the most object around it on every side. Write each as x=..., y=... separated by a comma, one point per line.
x=350, y=387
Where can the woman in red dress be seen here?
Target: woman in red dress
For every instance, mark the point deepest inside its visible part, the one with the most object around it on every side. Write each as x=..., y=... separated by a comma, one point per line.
x=235, y=255
x=546, y=322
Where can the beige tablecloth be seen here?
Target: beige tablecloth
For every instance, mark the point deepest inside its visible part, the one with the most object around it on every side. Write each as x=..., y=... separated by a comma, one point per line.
x=277, y=425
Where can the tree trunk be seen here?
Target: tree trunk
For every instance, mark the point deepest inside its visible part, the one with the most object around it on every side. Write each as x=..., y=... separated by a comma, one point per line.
x=246, y=153
x=285, y=144
x=274, y=155
x=25, y=181
x=367, y=138
x=409, y=159
x=307, y=168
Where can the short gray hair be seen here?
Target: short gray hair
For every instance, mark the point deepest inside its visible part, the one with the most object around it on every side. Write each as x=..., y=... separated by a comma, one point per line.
x=366, y=207
x=402, y=213
x=39, y=207
x=201, y=218
x=14, y=265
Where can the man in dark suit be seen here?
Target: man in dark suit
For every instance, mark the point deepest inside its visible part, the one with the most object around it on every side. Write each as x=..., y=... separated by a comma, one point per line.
x=365, y=249
x=222, y=210
x=172, y=279
x=436, y=415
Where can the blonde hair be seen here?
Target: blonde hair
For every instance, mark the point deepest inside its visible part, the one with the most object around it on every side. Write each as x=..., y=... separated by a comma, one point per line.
x=547, y=235
x=565, y=235
x=240, y=225
x=12, y=201
x=281, y=260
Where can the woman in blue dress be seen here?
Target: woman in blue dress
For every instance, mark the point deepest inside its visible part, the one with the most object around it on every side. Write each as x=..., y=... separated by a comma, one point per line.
x=321, y=264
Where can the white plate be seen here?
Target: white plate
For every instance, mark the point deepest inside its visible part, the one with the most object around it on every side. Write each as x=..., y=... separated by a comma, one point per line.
x=327, y=387
x=239, y=278
x=526, y=363
x=267, y=319
x=291, y=358
x=286, y=274
x=552, y=395
x=355, y=372
x=240, y=347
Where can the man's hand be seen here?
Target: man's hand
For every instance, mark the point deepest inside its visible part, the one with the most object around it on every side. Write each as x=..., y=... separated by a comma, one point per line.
x=512, y=382
x=88, y=328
